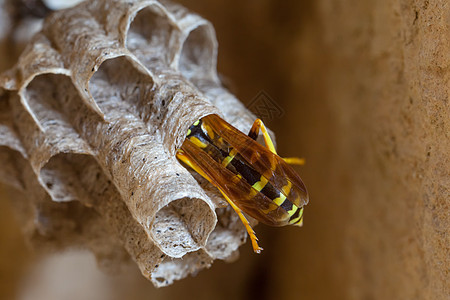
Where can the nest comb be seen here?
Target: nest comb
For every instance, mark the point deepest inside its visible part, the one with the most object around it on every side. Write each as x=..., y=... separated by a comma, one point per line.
x=91, y=117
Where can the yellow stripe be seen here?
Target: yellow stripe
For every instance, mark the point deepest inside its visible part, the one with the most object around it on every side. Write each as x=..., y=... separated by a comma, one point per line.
x=286, y=189
x=197, y=142
x=292, y=211
x=188, y=132
x=278, y=201
x=260, y=184
x=300, y=216
x=226, y=161
x=297, y=222
x=271, y=208
x=196, y=123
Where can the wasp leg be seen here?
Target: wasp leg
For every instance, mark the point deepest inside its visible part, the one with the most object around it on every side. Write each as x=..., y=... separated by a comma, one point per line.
x=294, y=161
x=254, y=131
x=184, y=158
x=251, y=232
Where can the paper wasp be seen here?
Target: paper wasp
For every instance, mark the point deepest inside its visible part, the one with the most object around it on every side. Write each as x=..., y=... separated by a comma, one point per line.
x=252, y=178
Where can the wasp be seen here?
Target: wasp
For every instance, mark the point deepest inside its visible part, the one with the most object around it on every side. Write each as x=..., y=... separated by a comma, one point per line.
x=251, y=177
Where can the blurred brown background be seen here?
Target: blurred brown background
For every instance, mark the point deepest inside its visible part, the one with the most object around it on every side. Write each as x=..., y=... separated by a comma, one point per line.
x=364, y=86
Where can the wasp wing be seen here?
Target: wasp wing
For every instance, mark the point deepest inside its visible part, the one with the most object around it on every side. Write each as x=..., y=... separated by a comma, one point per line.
x=281, y=175
x=249, y=200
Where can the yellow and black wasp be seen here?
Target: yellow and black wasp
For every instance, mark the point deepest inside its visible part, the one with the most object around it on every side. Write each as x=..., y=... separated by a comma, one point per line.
x=251, y=177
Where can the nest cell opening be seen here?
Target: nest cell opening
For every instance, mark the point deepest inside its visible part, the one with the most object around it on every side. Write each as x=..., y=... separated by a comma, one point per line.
x=119, y=80
x=183, y=226
x=53, y=99
x=152, y=36
x=70, y=177
x=42, y=95
x=197, y=57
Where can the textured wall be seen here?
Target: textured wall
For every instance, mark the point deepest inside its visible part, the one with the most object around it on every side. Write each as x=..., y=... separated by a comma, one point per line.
x=364, y=86
x=388, y=84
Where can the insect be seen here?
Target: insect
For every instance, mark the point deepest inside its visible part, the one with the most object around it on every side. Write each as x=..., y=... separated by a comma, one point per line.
x=251, y=177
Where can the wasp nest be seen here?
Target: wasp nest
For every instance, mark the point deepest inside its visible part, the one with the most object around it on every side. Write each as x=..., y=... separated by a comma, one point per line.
x=91, y=117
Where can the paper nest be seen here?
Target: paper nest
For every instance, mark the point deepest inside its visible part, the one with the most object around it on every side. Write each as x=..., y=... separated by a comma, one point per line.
x=91, y=117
